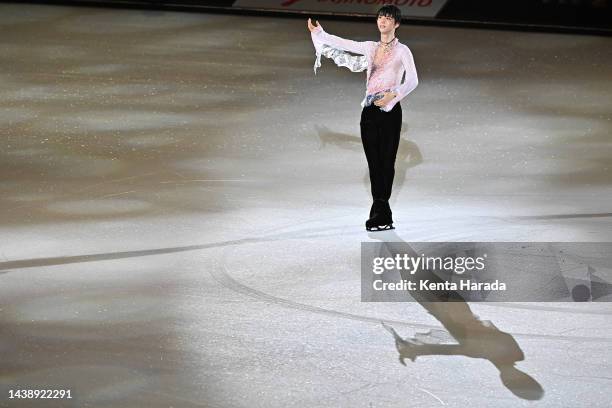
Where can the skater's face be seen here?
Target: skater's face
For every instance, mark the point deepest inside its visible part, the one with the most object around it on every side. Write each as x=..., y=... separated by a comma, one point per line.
x=386, y=24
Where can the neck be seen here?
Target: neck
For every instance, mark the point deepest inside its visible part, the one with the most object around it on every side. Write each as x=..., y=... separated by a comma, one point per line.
x=386, y=37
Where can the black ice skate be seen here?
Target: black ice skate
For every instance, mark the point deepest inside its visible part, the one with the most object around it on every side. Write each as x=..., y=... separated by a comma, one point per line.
x=380, y=216
x=379, y=222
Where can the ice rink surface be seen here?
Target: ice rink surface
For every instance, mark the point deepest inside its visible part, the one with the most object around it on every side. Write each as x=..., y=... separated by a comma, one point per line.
x=182, y=212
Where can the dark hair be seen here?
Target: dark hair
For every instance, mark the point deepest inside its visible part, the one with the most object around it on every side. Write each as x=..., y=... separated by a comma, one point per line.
x=390, y=11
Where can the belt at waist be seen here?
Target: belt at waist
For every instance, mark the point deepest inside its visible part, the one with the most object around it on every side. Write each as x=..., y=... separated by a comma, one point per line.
x=370, y=99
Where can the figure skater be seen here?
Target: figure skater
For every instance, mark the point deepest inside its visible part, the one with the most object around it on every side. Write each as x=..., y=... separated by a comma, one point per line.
x=385, y=61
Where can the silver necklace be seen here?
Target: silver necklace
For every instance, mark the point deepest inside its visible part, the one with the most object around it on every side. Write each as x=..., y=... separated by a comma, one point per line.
x=387, y=46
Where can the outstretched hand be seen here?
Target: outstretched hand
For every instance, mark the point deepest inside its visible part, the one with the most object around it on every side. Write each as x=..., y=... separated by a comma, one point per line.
x=312, y=27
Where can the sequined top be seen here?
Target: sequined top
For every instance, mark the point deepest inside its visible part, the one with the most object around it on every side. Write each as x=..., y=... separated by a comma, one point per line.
x=387, y=74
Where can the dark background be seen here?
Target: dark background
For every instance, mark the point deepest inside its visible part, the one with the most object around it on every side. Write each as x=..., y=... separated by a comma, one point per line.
x=578, y=16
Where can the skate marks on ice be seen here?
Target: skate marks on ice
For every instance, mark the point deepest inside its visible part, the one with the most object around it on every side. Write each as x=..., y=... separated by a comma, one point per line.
x=223, y=276
x=473, y=337
x=562, y=216
x=13, y=265
x=408, y=153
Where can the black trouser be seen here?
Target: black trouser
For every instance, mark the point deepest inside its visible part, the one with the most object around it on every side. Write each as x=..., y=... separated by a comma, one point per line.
x=380, y=136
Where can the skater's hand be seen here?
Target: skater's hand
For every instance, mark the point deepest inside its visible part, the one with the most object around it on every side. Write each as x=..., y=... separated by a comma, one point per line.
x=386, y=99
x=312, y=27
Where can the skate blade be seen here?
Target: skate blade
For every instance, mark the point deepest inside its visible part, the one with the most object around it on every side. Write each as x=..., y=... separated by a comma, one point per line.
x=381, y=228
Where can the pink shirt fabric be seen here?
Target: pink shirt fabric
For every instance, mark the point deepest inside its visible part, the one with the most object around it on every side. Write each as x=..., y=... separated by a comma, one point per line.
x=388, y=75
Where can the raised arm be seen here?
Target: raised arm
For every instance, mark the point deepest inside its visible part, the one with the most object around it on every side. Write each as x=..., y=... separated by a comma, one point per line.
x=318, y=34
